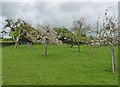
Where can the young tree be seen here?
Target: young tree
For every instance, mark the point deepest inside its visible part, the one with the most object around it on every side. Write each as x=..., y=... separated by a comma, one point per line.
x=79, y=28
x=107, y=34
x=46, y=39
x=45, y=36
x=48, y=35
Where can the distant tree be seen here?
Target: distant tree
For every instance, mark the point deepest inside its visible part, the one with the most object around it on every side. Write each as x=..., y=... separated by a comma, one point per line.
x=48, y=35
x=15, y=29
x=64, y=34
x=19, y=29
x=2, y=33
x=79, y=26
x=31, y=35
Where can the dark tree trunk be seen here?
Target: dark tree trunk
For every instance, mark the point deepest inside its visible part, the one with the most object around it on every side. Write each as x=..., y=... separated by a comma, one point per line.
x=113, y=61
x=16, y=41
x=71, y=45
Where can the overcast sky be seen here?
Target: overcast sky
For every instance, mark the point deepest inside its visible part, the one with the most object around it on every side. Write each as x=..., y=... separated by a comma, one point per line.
x=54, y=13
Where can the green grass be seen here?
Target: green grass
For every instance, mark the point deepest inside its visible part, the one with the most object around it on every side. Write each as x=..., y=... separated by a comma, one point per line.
x=0, y=65
x=63, y=65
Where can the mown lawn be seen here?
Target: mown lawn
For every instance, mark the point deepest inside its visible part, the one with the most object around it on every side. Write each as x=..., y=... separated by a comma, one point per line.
x=63, y=66
x=0, y=65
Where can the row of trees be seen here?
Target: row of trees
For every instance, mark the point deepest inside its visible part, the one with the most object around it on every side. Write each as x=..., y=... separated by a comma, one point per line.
x=21, y=31
x=106, y=33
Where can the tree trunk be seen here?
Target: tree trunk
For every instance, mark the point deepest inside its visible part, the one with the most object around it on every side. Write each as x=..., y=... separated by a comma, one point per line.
x=78, y=47
x=113, y=61
x=45, y=50
x=16, y=41
x=71, y=45
x=16, y=44
x=46, y=47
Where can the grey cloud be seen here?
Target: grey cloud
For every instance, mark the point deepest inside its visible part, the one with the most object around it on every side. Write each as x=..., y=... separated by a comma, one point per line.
x=55, y=14
x=11, y=9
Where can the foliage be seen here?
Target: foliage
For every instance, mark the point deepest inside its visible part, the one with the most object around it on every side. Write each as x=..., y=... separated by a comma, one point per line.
x=64, y=32
x=20, y=30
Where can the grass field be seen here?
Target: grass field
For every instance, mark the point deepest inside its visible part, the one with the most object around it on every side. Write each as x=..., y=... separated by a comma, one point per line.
x=63, y=65
x=0, y=66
